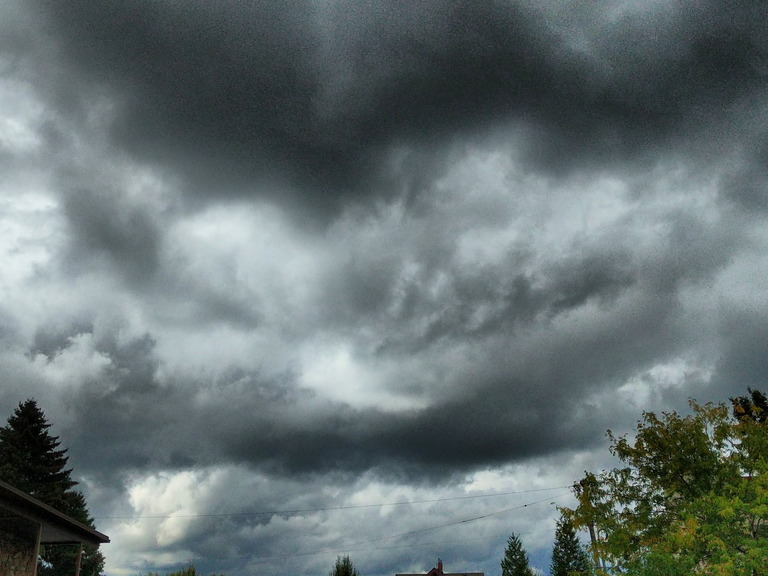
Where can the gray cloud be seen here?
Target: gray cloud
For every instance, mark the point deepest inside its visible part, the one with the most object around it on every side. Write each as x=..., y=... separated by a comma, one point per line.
x=111, y=231
x=310, y=256
x=251, y=96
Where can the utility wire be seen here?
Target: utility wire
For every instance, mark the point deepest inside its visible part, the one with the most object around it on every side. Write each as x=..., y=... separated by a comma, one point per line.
x=445, y=542
x=439, y=543
x=391, y=547
x=400, y=534
x=325, y=509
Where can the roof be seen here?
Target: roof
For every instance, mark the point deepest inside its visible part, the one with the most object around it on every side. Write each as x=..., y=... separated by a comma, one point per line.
x=433, y=572
x=438, y=571
x=57, y=528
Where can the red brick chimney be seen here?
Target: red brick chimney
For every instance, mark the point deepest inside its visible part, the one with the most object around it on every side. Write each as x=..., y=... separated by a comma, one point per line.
x=439, y=566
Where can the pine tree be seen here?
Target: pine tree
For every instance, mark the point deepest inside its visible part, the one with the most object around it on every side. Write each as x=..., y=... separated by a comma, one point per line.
x=515, y=561
x=344, y=567
x=30, y=458
x=569, y=558
x=32, y=461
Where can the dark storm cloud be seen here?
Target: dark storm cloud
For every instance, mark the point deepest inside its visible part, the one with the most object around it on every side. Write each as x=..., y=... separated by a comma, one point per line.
x=606, y=310
x=50, y=340
x=495, y=414
x=538, y=219
x=222, y=87
x=249, y=95
x=137, y=424
x=478, y=300
x=107, y=228
x=745, y=346
x=746, y=183
x=517, y=298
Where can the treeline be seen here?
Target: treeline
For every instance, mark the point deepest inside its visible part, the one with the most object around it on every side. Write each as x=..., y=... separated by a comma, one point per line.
x=690, y=497
x=343, y=567
x=188, y=570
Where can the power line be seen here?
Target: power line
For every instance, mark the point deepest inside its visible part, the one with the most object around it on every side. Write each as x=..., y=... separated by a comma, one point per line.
x=376, y=548
x=355, y=546
x=421, y=530
x=446, y=542
x=325, y=509
x=421, y=544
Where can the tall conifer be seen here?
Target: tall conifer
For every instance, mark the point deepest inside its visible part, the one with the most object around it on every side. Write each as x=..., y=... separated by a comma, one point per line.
x=515, y=561
x=344, y=567
x=32, y=461
x=569, y=558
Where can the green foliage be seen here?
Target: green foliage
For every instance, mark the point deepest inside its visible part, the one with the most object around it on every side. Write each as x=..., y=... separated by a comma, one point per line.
x=344, y=567
x=31, y=460
x=753, y=406
x=515, y=561
x=692, y=495
x=568, y=555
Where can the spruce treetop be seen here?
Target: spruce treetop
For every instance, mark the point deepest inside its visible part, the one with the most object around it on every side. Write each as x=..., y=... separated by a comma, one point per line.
x=344, y=567
x=569, y=558
x=515, y=561
x=31, y=458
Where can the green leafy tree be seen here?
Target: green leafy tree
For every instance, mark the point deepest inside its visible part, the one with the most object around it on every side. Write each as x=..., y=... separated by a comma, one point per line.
x=515, y=561
x=569, y=558
x=31, y=460
x=344, y=567
x=753, y=406
x=691, y=496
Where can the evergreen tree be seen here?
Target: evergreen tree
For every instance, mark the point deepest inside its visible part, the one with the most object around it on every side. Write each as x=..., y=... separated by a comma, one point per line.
x=569, y=558
x=344, y=567
x=515, y=561
x=32, y=461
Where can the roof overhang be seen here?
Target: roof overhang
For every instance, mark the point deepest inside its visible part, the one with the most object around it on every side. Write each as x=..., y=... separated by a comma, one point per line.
x=56, y=527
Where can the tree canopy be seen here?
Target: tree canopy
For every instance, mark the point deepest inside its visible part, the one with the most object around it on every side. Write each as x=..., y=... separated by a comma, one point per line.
x=691, y=496
x=32, y=461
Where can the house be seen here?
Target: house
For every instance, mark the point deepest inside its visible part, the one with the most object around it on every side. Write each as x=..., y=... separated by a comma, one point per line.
x=26, y=523
x=438, y=571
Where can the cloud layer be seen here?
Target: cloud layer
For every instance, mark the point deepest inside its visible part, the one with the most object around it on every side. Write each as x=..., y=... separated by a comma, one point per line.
x=269, y=266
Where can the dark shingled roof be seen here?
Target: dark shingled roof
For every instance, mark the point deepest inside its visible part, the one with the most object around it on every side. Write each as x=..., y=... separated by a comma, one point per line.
x=57, y=528
x=438, y=571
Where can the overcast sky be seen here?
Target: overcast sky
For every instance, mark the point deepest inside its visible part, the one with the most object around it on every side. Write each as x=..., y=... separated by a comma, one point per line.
x=267, y=266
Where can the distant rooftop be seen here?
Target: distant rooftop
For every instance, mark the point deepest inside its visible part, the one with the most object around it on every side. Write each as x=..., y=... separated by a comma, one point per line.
x=438, y=571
